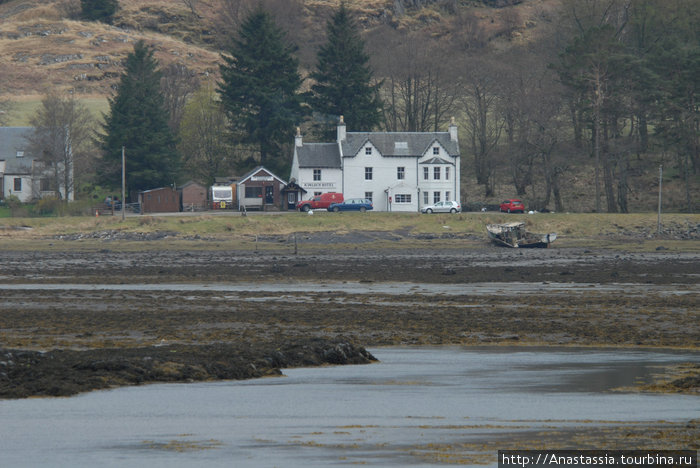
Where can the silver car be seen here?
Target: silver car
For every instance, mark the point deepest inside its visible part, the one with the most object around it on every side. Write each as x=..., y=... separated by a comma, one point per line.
x=442, y=207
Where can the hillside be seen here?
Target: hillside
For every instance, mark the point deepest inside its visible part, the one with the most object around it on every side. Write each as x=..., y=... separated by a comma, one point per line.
x=42, y=50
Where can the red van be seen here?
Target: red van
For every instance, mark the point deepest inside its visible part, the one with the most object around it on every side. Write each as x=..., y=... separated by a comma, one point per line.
x=322, y=201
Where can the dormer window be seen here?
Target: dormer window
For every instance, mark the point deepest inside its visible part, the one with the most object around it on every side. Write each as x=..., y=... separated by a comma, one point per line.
x=368, y=150
x=20, y=154
x=436, y=150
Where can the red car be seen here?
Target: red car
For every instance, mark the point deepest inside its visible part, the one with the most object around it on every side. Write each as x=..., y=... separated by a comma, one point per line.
x=513, y=206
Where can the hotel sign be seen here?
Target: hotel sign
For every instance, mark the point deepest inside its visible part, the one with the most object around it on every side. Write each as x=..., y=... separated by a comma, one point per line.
x=317, y=185
x=262, y=179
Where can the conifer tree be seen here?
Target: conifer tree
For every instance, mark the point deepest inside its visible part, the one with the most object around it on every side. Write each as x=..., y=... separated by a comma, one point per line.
x=260, y=89
x=344, y=79
x=99, y=10
x=138, y=121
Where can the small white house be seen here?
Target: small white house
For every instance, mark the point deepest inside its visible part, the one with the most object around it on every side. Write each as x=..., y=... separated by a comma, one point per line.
x=21, y=174
x=316, y=167
x=398, y=171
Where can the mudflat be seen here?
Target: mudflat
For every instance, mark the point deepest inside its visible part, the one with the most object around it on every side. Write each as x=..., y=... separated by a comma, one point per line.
x=75, y=319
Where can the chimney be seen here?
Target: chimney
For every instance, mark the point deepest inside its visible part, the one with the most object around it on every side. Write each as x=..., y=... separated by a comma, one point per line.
x=341, y=129
x=453, y=130
x=297, y=138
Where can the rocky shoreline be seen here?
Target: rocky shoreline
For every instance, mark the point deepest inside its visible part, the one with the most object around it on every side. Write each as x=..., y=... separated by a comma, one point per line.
x=68, y=372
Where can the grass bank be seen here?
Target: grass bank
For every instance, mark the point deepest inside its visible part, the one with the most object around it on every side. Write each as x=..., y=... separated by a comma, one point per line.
x=628, y=231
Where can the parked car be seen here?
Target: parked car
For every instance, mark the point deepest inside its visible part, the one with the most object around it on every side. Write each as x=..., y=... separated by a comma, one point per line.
x=318, y=202
x=352, y=204
x=512, y=206
x=442, y=207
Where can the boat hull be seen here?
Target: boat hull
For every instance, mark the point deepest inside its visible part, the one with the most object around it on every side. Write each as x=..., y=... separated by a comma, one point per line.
x=515, y=236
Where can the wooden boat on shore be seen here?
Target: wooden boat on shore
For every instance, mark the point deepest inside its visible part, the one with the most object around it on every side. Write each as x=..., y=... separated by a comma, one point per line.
x=516, y=236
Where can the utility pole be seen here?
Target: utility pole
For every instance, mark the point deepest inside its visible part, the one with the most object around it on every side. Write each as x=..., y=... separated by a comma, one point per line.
x=658, y=222
x=123, y=184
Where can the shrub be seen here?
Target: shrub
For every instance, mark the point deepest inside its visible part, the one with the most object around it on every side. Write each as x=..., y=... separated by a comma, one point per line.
x=99, y=10
x=17, y=208
x=48, y=206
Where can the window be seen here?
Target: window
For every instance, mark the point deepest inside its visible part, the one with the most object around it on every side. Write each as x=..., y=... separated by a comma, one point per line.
x=436, y=197
x=253, y=192
x=317, y=174
x=45, y=185
x=426, y=173
x=436, y=150
x=18, y=184
x=447, y=173
x=400, y=173
x=368, y=150
x=368, y=173
x=448, y=196
x=403, y=198
x=426, y=198
x=20, y=154
x=436, y=173
x=317, y=194
x=368, y=196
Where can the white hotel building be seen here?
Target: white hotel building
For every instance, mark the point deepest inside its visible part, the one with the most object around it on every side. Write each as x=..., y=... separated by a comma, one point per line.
x=398, y=171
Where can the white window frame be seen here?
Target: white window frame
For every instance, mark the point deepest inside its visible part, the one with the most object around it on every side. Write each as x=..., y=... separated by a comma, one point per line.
x=404, y=198
x=317, y=174
x=436, y=173
x=400, y=173
x=368, y=173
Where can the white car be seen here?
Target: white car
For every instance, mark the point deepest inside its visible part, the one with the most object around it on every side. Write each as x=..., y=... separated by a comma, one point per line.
x=442, y=207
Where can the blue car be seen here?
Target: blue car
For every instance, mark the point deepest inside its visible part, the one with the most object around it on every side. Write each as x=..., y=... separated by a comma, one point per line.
x=351, y=204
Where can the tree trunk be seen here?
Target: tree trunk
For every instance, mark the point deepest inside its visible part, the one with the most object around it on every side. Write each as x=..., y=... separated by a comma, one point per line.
x=608, y=174
x=622, y=186
x=596, y=151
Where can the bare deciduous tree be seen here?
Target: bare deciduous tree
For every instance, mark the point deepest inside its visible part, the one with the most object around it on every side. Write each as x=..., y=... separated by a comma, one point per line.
x=419, y=93
x=62, y=142
x=485, y=125
x=5, y=109
x=203, y=142
x=178, y=84
x=468, y=33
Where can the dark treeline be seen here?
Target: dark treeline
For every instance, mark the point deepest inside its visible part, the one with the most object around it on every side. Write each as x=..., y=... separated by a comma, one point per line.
x=608, y=83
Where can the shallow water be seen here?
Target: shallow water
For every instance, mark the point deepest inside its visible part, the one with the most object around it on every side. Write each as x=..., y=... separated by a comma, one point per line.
x=374, y=414
x=392, y=288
